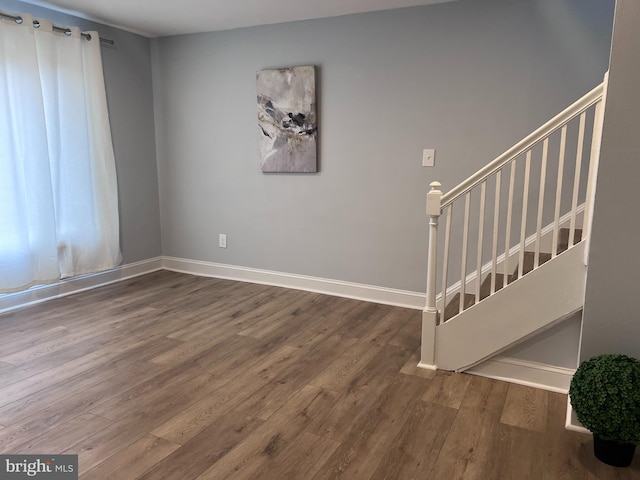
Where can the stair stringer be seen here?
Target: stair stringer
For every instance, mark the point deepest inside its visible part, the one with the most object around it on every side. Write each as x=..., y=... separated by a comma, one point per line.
x=528, y=305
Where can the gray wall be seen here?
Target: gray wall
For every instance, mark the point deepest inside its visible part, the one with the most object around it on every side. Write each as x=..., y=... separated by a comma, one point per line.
x=557, y=346
x=127, y=69
x=468, y=78
x=611, y=320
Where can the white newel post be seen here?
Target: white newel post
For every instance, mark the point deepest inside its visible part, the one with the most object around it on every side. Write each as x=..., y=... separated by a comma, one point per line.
x=430, y=313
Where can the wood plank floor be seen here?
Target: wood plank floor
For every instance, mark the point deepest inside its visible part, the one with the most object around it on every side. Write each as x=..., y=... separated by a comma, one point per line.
x=170, y=376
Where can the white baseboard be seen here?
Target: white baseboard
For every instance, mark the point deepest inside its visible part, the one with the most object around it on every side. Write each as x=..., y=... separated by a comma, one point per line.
x=531, y=374
x=62, y=288
x=571, y=422
x=368, y=293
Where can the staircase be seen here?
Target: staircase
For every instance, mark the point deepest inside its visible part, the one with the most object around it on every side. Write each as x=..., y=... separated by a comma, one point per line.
x=511, y=258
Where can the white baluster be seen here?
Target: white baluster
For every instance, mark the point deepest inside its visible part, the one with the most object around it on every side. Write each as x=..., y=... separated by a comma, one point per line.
x=496, y=225
x=556, y=218
x=507, y=240
x=543, y=174
x=525, y=200
x=483, y=194
x=576, y=180
x=445, y=261
x=465, y=241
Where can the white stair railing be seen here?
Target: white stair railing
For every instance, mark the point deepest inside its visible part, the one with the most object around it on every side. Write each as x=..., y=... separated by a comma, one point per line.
x=548, y=162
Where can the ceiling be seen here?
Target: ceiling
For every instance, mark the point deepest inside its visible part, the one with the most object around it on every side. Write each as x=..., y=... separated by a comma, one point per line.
x=155, y=18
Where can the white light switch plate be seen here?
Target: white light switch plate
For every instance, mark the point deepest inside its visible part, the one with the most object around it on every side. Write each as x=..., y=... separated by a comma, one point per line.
x=428, y=157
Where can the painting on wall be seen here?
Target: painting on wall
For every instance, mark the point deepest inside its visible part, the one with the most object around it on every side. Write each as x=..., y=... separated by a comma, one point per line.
x=287, y=124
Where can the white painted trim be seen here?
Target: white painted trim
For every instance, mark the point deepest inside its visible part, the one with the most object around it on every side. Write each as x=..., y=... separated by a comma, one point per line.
x=427, y=366
x=523, y=372
x=428, y=338
x=62, y=288
x=571, y=421
x=368, y=293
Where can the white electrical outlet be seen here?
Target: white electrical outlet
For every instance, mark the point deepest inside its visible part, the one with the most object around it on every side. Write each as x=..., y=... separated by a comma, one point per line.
x=428, y=157
x=222, y=240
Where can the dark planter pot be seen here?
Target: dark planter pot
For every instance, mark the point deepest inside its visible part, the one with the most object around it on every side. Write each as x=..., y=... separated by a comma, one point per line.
x=612, y=453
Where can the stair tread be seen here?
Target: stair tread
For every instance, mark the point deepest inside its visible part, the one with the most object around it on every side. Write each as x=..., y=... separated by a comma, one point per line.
x=529, y=261
x=485, y=288
x=453, y=307
x=563, y=238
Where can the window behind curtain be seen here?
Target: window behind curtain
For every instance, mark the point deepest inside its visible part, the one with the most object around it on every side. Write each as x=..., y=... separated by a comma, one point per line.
x=58, y=192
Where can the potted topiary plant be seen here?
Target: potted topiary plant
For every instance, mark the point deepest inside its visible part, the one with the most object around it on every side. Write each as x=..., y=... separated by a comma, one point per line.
x=605, y=394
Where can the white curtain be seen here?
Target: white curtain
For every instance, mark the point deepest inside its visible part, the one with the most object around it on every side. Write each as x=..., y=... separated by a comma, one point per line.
x=58, y=192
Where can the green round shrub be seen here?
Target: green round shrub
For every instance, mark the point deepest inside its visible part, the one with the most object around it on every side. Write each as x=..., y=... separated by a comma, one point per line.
x=605, y=394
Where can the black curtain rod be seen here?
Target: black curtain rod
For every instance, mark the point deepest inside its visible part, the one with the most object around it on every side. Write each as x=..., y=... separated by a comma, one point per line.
x=65, y=30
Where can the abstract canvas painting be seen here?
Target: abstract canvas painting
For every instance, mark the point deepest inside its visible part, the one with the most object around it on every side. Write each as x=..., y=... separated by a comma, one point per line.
x=287, y=125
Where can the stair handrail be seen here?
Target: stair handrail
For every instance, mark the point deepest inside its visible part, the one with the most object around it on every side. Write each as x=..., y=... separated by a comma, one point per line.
x=523, y=145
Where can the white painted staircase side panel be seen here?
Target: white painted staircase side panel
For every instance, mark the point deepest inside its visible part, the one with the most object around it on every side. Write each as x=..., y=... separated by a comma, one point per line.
x=531, y=303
